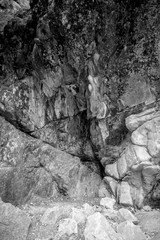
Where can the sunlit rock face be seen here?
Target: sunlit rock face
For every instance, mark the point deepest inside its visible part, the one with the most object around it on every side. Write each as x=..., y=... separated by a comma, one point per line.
x=83, y=78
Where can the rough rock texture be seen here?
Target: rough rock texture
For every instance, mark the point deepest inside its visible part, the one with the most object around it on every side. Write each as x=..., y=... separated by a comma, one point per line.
x=83, y=77
x=14, y=223
x=33, y=167
x=149, y=221
x=127, y=215
x=67, y=220
x=130, y=231
x=138, y=167
x=98, y=228
x=107, y=202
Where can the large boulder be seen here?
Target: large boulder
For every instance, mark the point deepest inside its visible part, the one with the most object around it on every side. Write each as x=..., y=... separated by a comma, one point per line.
x=33, y=167
x=130, y=232
x=149, y=221
x=136, y=120
x=124, y=194
x=97, y=227
x=14, y=223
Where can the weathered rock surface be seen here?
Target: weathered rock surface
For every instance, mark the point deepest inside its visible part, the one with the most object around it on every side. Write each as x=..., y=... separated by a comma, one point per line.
x=156, y=237
x=124, y=194
x=149, y=221
x=34, y=167
x=127, y=215
x=103, y=190
x=14, y=223
x=68, y=226
x=84, y=82
x=51, y=215
x=136, y=120
x=97, y=227
x=23, y=104
x=77, y=220
x=26, y=107
x=138, y=166
x=112, y=185
x=130, y=231
x=107, y=202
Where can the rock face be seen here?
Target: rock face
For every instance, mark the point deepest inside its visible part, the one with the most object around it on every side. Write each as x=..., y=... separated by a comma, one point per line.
x=138, y=167
x=80, y=81
x=26, y=107
x=33, y=167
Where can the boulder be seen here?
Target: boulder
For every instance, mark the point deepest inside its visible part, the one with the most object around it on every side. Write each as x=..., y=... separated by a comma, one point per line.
x=37, y=168
x=136, y=120
x=78, y=214
x=138, y=90
x=68, y=226
x=148, y=135
x=141, y=153
x=108, y=202
x=139, y=136
x=130, y=232
x=127, y=215
x=98, y=228
x=149, y=221
x=149, y=176
x=124, y=194
x=88, y=209
x=147, y=208
x=52, y=215
x=112, y=214
x=112, y=171
x=14, y=223
x=139, y=167
x=138, y=196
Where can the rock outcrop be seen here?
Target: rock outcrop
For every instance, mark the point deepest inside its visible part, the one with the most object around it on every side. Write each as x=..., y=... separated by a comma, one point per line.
x=79, y=99
x=29, y=166
x=138, y=168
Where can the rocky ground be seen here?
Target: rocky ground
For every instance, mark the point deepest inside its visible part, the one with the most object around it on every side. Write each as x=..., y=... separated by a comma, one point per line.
x=88, y=219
